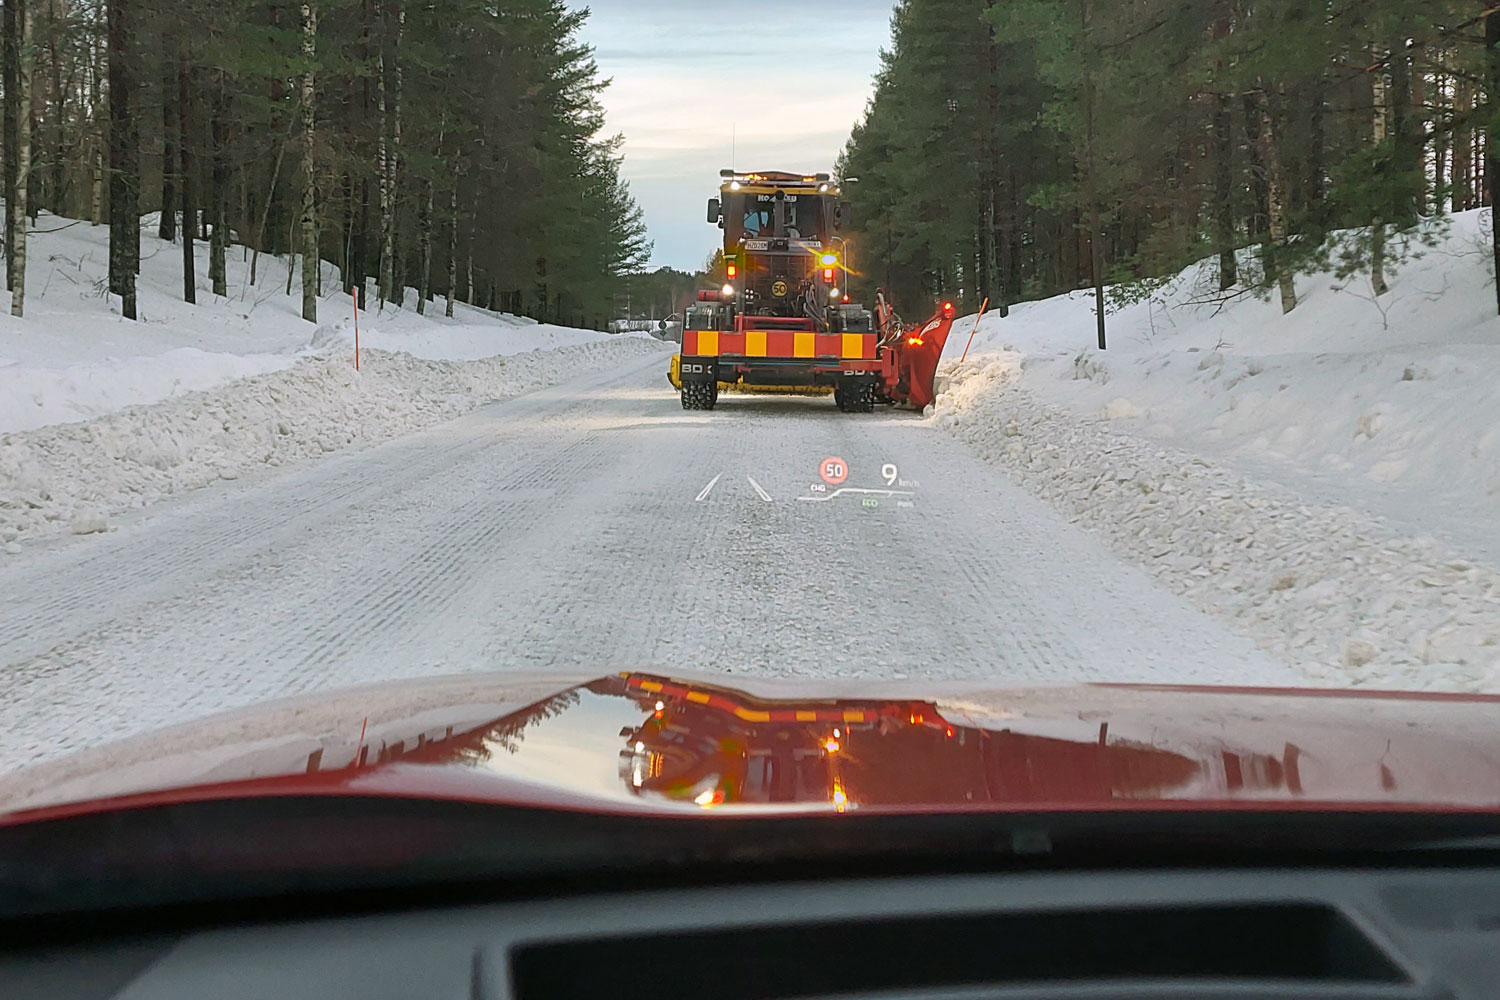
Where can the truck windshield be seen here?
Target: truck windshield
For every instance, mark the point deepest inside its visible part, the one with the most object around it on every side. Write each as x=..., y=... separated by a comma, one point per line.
x=804, y=217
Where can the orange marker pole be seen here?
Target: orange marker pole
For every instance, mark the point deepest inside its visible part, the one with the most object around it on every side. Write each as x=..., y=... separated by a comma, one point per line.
x=354, y=294
x=975, y=330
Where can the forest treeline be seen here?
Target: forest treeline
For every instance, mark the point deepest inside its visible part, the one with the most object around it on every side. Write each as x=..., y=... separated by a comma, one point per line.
x=1015, y=149
x=450, y=146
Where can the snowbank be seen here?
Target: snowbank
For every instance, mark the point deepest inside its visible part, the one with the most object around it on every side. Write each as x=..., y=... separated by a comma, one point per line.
x=1328, y=589
x=75, y=477
x=1390, y=406
x=1327, y=481
x=74, y=358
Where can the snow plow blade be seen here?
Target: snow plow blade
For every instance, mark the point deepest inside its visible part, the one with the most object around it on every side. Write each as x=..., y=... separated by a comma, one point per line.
x=916, y=351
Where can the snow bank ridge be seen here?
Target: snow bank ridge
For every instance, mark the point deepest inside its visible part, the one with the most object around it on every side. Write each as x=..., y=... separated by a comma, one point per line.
x=73, y=477
x=1328, y=589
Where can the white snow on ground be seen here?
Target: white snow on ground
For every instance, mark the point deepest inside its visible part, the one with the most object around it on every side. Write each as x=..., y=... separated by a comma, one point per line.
x=106, y=415
x=1326, y=480
x=73, y=357
x=74, y=477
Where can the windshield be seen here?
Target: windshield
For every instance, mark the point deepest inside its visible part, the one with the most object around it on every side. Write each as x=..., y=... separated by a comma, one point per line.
x=793, y=216
x=367, y=351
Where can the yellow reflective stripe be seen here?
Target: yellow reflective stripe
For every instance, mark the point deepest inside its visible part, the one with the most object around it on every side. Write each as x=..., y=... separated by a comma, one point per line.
x=755, y=344
x=751, y=716
x=651, y=686
x=853, y=716
x=804, y=345
x=697, y=697
x=853, y=345
x=807, y=716
x=708, y=343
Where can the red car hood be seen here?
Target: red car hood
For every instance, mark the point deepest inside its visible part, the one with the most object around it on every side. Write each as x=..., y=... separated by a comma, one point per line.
x=647, y=743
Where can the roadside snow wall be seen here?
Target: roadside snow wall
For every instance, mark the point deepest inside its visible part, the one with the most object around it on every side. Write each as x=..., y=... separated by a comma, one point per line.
x=1328, y=589
x=75, y=477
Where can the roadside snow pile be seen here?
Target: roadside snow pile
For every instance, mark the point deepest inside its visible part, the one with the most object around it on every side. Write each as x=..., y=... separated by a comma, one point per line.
x=35, y=396
x=1328, y=589
x=1389, y=405
x=74, y=477
x=74, y=358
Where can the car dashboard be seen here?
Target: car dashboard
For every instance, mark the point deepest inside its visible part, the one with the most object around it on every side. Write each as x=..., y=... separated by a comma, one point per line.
x=1423, y=932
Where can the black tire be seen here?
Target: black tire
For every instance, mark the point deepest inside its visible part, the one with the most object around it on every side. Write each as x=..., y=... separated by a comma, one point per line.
x=699, y=395
x=864, y=398
x=855, y=395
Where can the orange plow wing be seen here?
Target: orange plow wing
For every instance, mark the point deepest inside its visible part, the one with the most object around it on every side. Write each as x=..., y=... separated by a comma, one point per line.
x=916, y=351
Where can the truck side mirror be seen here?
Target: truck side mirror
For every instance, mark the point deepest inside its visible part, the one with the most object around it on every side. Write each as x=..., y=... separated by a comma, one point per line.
x=842, y=213
x=713, y=210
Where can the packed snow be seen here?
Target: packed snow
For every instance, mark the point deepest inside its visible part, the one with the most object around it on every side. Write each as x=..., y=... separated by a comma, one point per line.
x=1327, y=480
x=562, y=530
x=100, y=415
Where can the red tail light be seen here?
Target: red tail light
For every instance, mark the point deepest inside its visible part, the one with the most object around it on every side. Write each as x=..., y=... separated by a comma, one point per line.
x=827, y=274
x=733, y=271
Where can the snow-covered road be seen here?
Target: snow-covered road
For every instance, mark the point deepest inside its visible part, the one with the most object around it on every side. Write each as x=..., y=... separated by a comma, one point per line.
x=575, y=527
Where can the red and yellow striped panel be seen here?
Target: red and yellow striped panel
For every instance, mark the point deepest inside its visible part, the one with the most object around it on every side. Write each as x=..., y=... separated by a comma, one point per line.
x=778, y=344
x=747, y=713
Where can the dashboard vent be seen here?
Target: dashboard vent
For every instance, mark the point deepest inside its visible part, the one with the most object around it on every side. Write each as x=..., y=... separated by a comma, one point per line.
x=1214, y=947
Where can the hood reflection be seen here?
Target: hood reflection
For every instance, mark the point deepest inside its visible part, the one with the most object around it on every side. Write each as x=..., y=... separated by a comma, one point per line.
x=714, y=746
x=653, y=740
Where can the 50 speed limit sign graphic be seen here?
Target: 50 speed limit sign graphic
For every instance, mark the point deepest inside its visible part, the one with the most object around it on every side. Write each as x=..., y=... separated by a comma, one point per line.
x=834, y=470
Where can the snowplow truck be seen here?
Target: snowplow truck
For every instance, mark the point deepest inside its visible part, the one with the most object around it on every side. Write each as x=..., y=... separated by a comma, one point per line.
x=783, y=322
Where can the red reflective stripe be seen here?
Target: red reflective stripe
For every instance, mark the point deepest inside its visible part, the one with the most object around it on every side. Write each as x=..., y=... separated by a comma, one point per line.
x=830, y=345
x=731, y=343
x=690, y=342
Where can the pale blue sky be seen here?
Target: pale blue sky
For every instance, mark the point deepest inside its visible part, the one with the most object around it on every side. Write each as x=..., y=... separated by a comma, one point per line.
x=786, y=79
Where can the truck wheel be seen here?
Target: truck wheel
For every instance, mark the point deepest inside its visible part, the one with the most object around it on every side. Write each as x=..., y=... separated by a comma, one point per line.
x=864, y=398
x=699, y=395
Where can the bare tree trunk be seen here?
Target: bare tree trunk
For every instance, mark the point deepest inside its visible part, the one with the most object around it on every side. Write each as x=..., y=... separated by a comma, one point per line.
x=97, y=113
x=58, y=185
x=387, y=155
x=1463, y=145
x=124, y=160
x=469, y=266
x=1276, y=207
x=22, y=156
x=10, y=51
x=1443, y=104
x=218, y=195
x=424, y=237
x=167, y=228
x=310, y=255
x=1492, y=149
x=1096, y=235
x=1224, y=194
x=189, y=180
x=452, y=248
x=265, y=212
x=1379, y=129
x=1258, y=189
